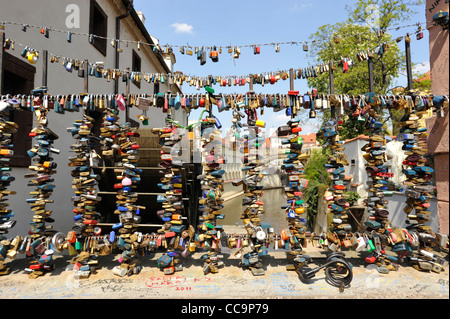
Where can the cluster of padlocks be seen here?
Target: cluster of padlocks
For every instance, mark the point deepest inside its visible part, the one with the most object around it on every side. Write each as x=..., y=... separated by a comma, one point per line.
x=378, y=227
x=174, y=235
x=86, y=197
x=419, y=177
x=177, y=238
x=211, y=202
x=7, y=129
x=294, y=236
x=122, y=151
x=339, y=229
x=39, y=246
x=250, y=145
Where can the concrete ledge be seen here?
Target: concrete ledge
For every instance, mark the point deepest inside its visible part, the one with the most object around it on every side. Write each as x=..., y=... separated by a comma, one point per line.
x=231, y=281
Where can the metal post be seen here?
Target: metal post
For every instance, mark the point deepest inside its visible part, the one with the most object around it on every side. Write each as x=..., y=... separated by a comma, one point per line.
x=331, y=78
x=370, y=65
x=2, y=56
x=44, y=67
x=127, y=93
x=291, y=79
x=86, y=76
x=408, y=61
x=291, y=87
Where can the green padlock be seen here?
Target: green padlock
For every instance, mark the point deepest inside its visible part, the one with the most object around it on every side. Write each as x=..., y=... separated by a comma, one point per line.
x=77, y=245
x=209, y=89
x=370, y=246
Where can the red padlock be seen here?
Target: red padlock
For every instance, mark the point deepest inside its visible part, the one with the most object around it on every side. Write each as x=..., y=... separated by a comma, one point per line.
x=370, y=259
x=272, y=79
x=36, y=266
x=166, y=105
x=257, y=50
x=345, y=67
x=201, y=102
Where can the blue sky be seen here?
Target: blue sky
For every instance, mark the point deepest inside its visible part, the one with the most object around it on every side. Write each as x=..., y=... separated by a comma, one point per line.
x=222, y=23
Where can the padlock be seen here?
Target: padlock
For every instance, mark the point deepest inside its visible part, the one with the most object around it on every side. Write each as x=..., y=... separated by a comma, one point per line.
x=214, y=55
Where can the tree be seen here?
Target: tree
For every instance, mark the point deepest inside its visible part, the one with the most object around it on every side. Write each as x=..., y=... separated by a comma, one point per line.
x=365, y=30
x=318, y=182
x=381, y=15
x=347, y=41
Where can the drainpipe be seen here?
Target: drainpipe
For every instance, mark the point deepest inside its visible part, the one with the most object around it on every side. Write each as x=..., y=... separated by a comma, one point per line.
x=118, y=19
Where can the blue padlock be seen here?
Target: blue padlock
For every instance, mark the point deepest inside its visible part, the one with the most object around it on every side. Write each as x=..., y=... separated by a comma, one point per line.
x=291, y=214
x=117, y=226
x=112, y=236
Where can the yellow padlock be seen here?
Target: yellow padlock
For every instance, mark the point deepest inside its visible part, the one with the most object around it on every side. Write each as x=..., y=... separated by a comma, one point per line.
x=32, y=57
x=260, y=123
x=300, y=210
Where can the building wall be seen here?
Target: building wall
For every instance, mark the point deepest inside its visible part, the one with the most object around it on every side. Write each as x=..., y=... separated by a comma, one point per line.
x=396, y=203
x=53, y=14
x=438, y=145
x=439, y=52
x=438, y=128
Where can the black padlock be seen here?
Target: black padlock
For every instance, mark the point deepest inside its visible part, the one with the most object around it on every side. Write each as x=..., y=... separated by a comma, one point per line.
x=203, y=57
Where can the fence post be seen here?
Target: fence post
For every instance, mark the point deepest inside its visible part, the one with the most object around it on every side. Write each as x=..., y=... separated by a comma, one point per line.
x=86, y=76
x=370, y=65
x=44, y=67
x=332, y=106
x=2, y=56
x=408, y=61
x=331, y=78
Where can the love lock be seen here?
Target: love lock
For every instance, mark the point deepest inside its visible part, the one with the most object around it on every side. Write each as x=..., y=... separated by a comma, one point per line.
x=57, y=240
x=338, y=271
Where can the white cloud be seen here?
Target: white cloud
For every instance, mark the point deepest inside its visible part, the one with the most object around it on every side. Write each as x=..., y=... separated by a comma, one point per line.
x=297, y=7
x=421, y=68
x=182, y=28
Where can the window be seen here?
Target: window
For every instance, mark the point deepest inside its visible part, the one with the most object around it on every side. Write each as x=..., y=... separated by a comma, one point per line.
x=136, y=66
x=98, y=25
x=19, y=79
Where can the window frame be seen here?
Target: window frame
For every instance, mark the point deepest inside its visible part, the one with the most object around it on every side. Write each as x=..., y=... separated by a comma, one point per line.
x=135, y=57
x=98, y=43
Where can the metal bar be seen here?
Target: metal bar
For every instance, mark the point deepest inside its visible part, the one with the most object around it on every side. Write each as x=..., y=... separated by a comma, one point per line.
x=139, y=194
x=44, y=67
x=139, y=225
x=2, y=58
x=291, y=79
x=119, y=167
x=331, y=78
x=127, y=92
x=291, y=88
x=370, y=65
x=408, y=62
x=86, y=76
